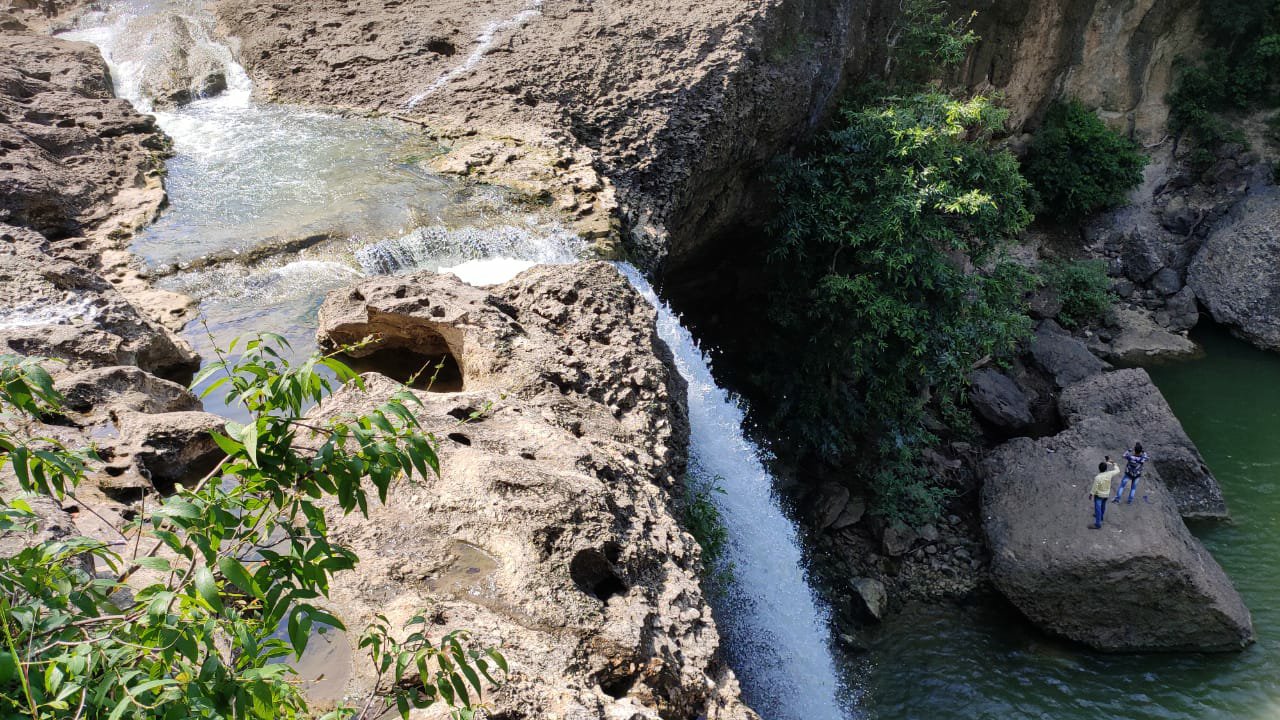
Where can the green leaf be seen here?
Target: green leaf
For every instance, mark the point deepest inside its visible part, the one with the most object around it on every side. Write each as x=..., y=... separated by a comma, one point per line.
x=236, y=573
x=250, y=439
x=207, y=587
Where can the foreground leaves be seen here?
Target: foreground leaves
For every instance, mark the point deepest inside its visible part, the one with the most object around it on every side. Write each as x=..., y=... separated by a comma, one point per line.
x=197, y=620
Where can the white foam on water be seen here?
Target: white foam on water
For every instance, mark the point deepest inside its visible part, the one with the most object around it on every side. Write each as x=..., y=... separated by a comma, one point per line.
x=776, y=630
x=70, y=310
x=443, y=249
x=483, y=42
x=494, y=271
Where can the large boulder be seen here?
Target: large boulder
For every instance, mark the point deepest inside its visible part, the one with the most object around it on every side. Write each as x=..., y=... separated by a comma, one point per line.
x=1141, y=583
x=1236, y=274
x=1125, y=407
x=999, y=400
x=1064, y=358
x=72, y=156
x=551, y=528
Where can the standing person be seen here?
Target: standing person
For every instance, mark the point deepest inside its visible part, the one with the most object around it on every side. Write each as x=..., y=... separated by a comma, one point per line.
x=1101, y=490
x=1135, y=458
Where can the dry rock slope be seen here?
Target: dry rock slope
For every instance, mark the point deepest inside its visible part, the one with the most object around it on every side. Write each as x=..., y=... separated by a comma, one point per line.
x=551, y=529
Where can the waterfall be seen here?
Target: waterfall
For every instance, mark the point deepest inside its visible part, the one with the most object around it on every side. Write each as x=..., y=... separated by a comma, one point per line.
x=775, y=629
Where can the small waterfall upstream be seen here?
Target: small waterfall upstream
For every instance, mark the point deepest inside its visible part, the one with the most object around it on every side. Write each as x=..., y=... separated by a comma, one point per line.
x=247, y=173
x=775, y=628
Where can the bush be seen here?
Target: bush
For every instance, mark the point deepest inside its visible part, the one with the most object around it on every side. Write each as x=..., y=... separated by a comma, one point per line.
x=1084, y=289
x=877, y=303
x=1239, y=72
x=1078, y=166
x=197, y=637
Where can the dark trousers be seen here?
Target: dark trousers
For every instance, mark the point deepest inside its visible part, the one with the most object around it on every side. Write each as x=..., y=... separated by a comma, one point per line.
x=1099, y=509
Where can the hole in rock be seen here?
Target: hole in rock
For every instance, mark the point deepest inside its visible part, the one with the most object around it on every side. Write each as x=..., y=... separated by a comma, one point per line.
x=460, y=438
x=619, y=687
x=594, y=575
x=441, y=47
x=411, y=368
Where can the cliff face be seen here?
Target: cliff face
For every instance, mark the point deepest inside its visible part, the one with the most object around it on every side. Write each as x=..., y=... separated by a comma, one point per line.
x=677, y=107
x=1114, y=56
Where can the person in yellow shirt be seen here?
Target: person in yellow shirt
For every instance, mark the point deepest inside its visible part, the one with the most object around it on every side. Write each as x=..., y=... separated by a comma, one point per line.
x=1101, y=490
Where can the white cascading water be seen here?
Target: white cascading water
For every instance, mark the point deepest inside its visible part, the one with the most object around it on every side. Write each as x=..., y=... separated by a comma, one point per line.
x=249, y=170
x=776, y=631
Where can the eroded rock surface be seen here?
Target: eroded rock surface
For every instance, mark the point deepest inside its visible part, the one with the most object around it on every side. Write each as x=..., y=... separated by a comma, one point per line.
x=560, y=493
x=1236, y=274
x=1142, y=582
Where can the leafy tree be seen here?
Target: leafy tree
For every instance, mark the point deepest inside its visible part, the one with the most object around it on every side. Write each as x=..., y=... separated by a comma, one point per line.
x=1078, y=165
x=182, y=626
x=882, y=304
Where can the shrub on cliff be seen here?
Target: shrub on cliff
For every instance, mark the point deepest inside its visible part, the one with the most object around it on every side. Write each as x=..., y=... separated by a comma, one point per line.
x=184, y=624
x=1084, y=289
x=1240, y=71
x=1079, y=166
x=889, y=284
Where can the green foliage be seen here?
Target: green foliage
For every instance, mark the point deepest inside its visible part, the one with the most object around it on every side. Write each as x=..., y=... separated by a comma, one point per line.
x=182, y=626
x=926, y=40
x=881, y=304
x=1084, y=289
x=1239, y=72
x=1078, y=165
x=703, y=520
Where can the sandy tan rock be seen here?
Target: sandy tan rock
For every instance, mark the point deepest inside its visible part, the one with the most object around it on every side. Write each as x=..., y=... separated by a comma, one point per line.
x=551, y=529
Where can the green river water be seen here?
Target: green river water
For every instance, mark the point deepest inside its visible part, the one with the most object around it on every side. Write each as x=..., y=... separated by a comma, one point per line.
x=985, y=661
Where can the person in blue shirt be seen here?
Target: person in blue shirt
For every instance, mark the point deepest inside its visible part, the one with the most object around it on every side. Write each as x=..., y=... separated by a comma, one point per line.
x=1134, y=460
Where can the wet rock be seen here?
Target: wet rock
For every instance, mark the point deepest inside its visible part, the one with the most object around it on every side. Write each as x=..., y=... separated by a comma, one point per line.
x=1123, y=407
x=1063, y=357
x=590, y=583
x=1141, y=583
x=1236, y=274
x=999, y=400
x=60, y=309
x=178, y=64
x=870, y=601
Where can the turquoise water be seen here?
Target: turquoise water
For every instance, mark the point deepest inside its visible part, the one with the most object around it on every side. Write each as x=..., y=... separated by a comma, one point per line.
x=985, y=661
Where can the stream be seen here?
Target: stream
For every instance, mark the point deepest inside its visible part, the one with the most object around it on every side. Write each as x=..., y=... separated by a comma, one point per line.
x=247, y=174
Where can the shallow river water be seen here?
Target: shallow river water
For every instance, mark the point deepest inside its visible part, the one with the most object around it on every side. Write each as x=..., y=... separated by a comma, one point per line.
x=984, y=661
